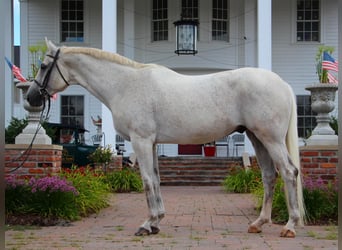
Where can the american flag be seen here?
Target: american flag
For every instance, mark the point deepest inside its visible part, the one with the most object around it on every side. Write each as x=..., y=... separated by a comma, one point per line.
x=329, y=63
x=332, y=78
x=16, y=71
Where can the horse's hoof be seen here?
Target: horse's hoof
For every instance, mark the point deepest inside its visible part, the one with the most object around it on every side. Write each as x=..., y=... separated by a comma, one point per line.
x=144, y=232
x=155, y=230
x=287, y=233
x=254, y=229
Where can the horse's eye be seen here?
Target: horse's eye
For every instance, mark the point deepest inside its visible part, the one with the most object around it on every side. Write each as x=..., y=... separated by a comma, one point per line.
x=43, y=66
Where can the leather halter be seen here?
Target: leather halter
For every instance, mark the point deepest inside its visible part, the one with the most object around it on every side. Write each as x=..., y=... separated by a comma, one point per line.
x=45, y=82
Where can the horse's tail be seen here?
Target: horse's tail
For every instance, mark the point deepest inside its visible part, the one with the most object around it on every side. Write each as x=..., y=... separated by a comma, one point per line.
x=293, y=149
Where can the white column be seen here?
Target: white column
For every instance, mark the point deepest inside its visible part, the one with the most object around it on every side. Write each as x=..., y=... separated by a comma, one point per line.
x=7, y=21
x=5, y=41
x=264, y=24
x=250, y=33
x=109, y=41
x=129, y=29
x=340, y=107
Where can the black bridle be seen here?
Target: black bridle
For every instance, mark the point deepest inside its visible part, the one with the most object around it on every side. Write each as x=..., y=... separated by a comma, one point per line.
x=46, y=80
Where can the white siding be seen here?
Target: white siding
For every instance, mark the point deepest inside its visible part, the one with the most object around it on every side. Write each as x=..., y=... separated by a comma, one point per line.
x=295, y=62
x=212, y=54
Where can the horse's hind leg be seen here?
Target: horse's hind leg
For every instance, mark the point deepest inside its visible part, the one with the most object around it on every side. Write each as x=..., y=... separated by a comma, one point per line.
x=148, y=164
x=289, y=173
x=269, y=176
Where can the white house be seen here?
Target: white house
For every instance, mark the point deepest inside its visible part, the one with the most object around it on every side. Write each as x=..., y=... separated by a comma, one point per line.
x=279, y=35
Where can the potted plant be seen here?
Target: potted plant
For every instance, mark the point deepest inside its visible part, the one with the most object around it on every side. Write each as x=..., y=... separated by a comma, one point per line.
x=323, y=97
x=37, y=53
x=209, y=149
x=102, y=156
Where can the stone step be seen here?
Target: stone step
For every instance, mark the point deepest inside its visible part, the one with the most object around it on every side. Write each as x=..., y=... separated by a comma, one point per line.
x=205, y=171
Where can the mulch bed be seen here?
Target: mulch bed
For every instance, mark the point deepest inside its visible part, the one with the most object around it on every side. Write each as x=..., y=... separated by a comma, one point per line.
x=34, y=220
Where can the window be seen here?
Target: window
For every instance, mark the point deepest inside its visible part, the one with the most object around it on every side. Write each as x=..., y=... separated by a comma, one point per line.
x=220, y=24
x=72, y=112
x=306, y=117
x=190, y=10
x=308, y=21
x=72, y=21
x=159, y=21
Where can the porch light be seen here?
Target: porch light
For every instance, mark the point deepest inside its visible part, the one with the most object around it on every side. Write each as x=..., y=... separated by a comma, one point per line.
x=186, y=37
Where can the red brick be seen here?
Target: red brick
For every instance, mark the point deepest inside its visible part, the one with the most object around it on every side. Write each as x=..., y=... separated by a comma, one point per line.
x=12, y=152
x=319, y=159
x=29, y=164
x=328, y=177
x=335, y=160
x=45, y=152
x=328, y=153
x=310, y=153
x=35, y=171
x=12, y=164
x=328, y=165
x=305, y=159
x=333, y=171
x=319, y=171
x=32, y=158
x=51, y=159
x=310, y=165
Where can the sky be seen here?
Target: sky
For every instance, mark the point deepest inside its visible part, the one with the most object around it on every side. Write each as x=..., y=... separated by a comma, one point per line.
x=16, y=16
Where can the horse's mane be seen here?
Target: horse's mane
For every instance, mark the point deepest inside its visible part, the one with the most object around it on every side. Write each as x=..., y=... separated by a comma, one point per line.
x=100, y=54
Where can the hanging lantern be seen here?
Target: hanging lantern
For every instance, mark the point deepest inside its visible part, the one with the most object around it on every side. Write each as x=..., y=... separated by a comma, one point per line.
x=186, y=37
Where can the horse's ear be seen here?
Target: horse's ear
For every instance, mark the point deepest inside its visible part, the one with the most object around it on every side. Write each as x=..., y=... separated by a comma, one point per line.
x=51, y=47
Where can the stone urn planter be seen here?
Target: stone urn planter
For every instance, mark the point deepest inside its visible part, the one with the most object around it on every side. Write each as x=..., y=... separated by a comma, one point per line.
x=323, y=102
x=30, y=132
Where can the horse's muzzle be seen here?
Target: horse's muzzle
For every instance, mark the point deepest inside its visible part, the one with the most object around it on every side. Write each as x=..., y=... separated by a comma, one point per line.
x=34, y=96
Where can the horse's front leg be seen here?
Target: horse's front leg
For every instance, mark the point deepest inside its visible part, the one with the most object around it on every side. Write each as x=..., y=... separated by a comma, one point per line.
x=148, y=164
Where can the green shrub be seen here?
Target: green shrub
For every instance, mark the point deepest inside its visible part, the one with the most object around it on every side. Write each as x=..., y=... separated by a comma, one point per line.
x=93, y=191
x=242, y=181
x=16, y=126
x=74, y=193
x=334, y=124
x=48, y=197
x=125, y=180
x=320, y=200
x=18, y=195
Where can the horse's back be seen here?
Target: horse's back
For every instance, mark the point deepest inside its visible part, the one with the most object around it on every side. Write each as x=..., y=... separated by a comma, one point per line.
x=217, y=104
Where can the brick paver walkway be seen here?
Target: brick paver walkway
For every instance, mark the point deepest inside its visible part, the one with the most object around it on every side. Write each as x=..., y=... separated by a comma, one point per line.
x=196, y=218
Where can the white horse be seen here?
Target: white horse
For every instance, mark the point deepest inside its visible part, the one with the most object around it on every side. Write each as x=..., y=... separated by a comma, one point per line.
x=152, y=104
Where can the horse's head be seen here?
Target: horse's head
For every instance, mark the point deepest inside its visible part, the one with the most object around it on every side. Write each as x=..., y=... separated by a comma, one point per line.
x=50, y=77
